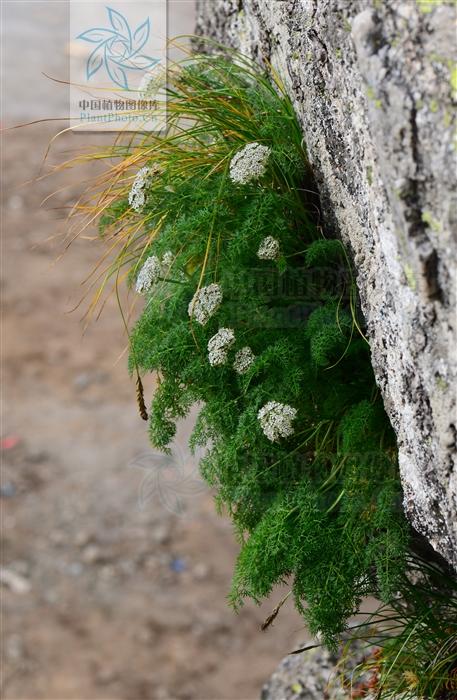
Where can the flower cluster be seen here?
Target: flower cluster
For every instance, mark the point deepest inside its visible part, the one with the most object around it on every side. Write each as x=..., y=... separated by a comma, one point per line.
x=137, y=194
x=268, y=249
x=151, y=82
x=145, y=84
x=243, y=360
x=205, y=303
x=249, y=163
x=152, y=270
x=167, y=260
x=148, y=275
x=276, y=420
x=219, y=345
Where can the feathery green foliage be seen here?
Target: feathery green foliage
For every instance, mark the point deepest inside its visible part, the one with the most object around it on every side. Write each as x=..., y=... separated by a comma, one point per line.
x=320, y=508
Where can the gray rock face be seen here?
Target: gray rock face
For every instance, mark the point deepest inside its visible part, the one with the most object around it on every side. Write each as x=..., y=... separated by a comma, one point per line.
x=373, y=82
x=309, y=676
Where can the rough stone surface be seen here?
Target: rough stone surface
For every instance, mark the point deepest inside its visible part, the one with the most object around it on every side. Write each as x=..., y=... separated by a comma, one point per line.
x=305, y=677
x=318, y=674
x=373, y=83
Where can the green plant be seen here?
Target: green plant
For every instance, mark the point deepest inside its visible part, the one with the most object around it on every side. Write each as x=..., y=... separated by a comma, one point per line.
x=414, y=639
x=252, y=313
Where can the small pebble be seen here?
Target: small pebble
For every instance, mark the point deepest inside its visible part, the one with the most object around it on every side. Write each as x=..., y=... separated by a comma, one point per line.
x=178, y=565
x=14, y=647
x=15, y=582
x=201, y=571
x=85, y=379
x=92, y=554
x=8, y=490
x=161, y=534
x=83, y=538
x=75, y=568
x=82, y=381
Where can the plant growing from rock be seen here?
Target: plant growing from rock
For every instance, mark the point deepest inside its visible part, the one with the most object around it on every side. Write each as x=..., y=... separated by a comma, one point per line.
x=251, y=312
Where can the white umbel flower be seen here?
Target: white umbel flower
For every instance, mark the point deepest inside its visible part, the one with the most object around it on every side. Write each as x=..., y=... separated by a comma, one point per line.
x=219, y=345
x=151, y=82
x=268, y=249
x=243, y=360
x=148, y=275
x=152, y=270
x=168, y=259
x=205, y=303
x=276, y=420
x=145, y=83
x=249, y=163
x=137, y=194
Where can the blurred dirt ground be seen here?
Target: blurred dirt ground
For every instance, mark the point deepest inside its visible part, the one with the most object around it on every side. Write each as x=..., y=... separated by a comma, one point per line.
x=101, y=598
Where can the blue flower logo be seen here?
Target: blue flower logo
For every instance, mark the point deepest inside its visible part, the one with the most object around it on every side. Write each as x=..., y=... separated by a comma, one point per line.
x=118, y=49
